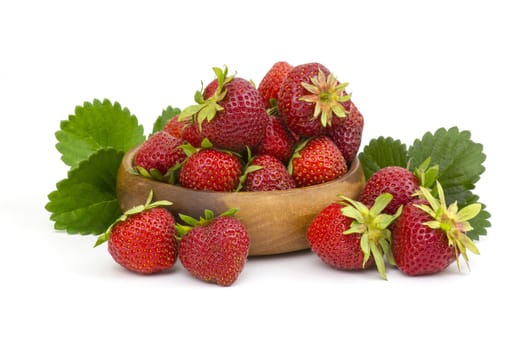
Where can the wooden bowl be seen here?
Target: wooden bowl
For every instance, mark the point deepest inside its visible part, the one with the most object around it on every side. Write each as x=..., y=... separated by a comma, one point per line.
x=276, y=220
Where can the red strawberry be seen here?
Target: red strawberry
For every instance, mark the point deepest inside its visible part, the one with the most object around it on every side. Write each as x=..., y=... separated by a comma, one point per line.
x=277, y=140
x=316, y=161
x=271, y=83
x=343, y=235
x=192, y=135
x=230, y=113
x=143, y=239
x=309, y=98
x=327, y=241
x=429, y=236
x=158, y=154
x=347, y=132
x=211, y=88
x=175, y=126
x=214, y=249
x=270, y=175
x=211, y=170
x=397, y=181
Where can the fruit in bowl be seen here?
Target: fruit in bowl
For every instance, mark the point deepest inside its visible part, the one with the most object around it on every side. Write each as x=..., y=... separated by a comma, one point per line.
x=304, y=132
x=276, y=221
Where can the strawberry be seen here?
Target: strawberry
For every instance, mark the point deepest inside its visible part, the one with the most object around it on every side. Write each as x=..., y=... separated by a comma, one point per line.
x=158, y=154
x=429, y=236
x=175, y=126
x=343, y=235
x=209, y=169
x=397, y=181
x=315, y=161
x=309, y=98
x=271, y=83
x=269, y=174
x=326, y=239
x=213, y=249
x=192, y=135
x=230, y=112
x=143, y=239
x=277, y=140
x=347, y=132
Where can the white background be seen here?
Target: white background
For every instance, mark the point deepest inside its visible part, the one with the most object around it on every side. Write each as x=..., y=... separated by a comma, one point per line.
x=412, y=68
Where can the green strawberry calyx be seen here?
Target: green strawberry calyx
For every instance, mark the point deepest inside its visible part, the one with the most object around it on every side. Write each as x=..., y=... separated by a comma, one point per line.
x=297, y=153
x=248, y=168
x=130, y=212
x=169, y=177
x=172, y=174
x=191, y=222
x=327, y=94
x=206, y=109
x=454, y=222
x=274, y=108
x=190, y=150
x=426, y=174
x=373, y=226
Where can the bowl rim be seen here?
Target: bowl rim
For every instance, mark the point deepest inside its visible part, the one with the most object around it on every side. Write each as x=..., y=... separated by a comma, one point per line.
x=128, y=160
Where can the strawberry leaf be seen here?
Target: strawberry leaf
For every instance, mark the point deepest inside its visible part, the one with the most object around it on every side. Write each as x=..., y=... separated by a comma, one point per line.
x=95, y=126
x=86, y=202
x=460, y=161
x=383, y=152
x=164, y=118
x=448, y=156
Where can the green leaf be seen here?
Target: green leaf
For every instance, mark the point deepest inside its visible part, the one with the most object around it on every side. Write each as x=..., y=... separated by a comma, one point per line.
x=208, y=112
x=479, y=224
x=230, y=212
x=221, y=75
x=189, y=111
x=382, y=152
x=355, y=227
x=189, y=220
x=385, y=245
x=379, y=260
x=353, y=213
x=469, y=212
x=365, y=247
x=460, y=160
x=208, y=214
x=381, y=203
x=86, y=202
x=383, y=221
x=433, y=224
x=198, y=97
x=164, y=118
x=95, y=126
x=426, y=174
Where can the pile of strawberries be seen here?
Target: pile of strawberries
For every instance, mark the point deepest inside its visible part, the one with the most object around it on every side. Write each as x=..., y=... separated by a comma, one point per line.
x=396, y=218
x=297, y=128
x=146, y=239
